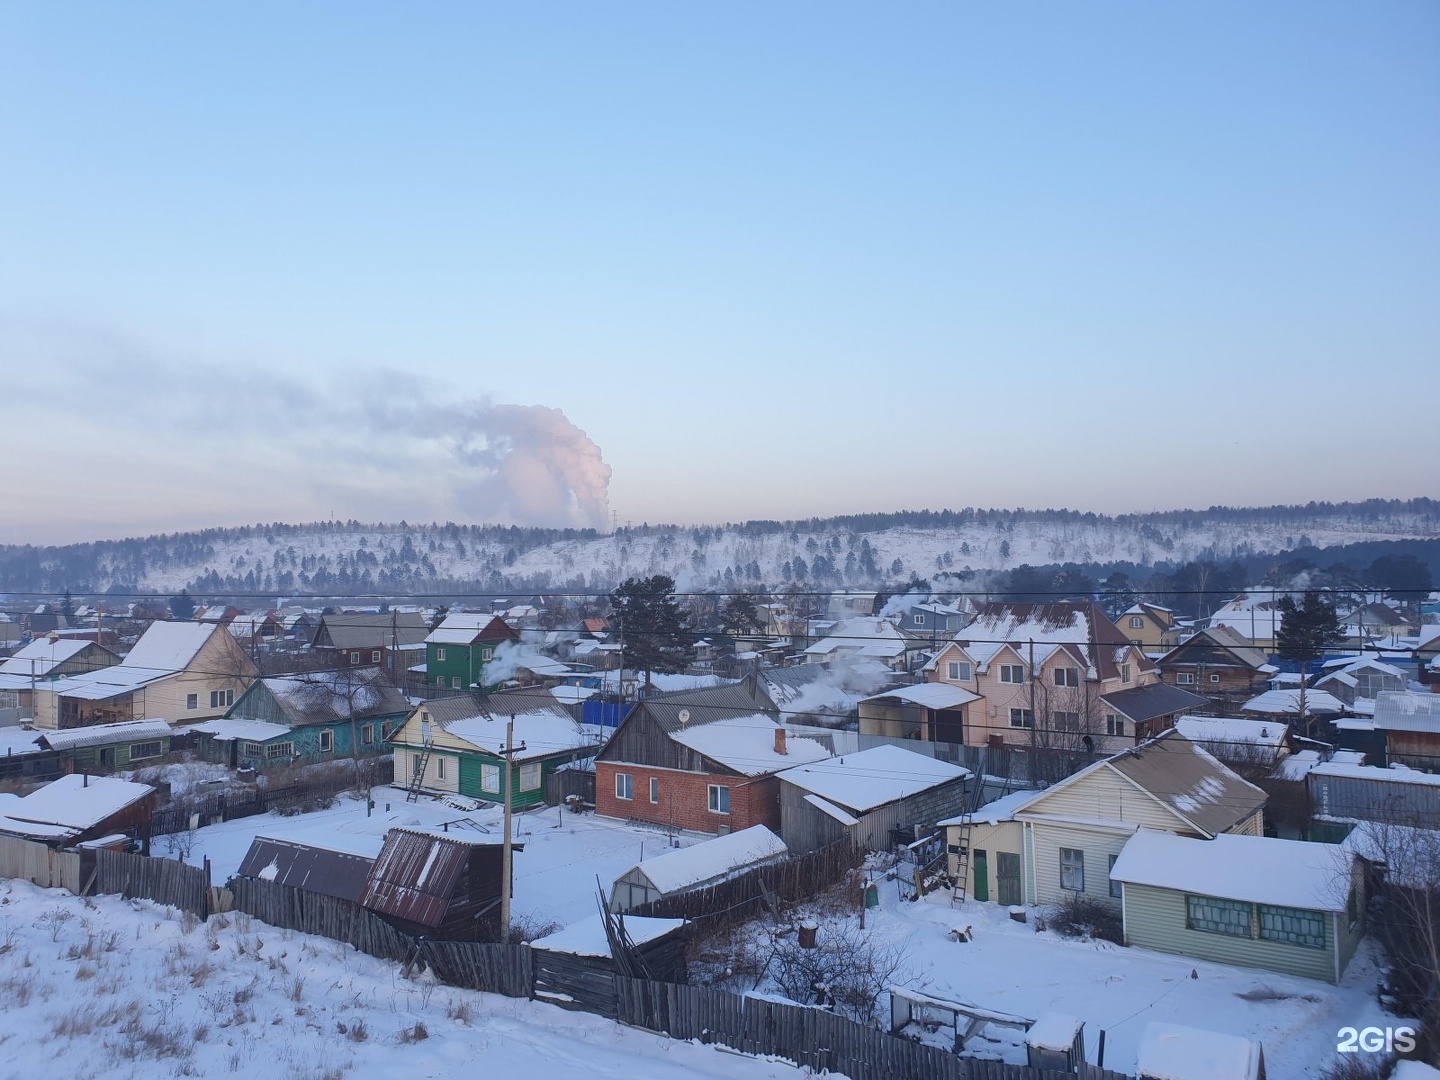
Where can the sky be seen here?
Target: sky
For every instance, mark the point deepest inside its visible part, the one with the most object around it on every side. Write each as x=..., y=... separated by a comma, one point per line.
x=570, y=264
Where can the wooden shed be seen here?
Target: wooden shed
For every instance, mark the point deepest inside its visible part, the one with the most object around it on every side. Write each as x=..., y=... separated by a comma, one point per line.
x=77, y=808
x=124, y=745
x=681, y=870
x=862, y=797
x=445, y=886
x=341, y=874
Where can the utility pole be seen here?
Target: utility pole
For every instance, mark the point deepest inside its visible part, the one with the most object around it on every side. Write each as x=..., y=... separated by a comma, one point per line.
x=506, y=854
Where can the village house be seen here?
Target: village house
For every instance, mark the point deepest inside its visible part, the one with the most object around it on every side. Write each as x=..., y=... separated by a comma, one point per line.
x=867, y=798
x=870, y=638
x=1220, y=664
x=1150, y=626
x=1243, y=745
x=926, y=712
x=700, y=761
x=1288, y=906
x=681, y=870
x=1308, y=710
x=131, y=744
x=1405, y=727
x=1050, y=676
x=1067, y=837
x=181, y=672
x=392, y=640
x=457, y=650
x=1254, y=615
x=457, y=746
x=304, y=719
x=1359, y=680
x=46, y=659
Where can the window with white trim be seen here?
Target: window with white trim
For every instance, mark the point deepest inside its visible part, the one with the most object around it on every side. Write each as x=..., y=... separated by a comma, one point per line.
x=490, y=778
x=654, y=789
x=1066, y=676
x=624, y=786
x=719, y=799
x=354, y=657
x=1012, y=673
x=144, y=750
x=367, y=735
x=1137, y=623
x=374, y=656
x=1022, y=718
x=1184, y=678
x=530, y=776
x=439, y=654
x=252, y=750
x=222, y=699
x=1072, y=869
x=1125, y=673
x=327, y=741
x=1114, y=724
x=1294, y=926
x=1214, y=678
x=280, y=751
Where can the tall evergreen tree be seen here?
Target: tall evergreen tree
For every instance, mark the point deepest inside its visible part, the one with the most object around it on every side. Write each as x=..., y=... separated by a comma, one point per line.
x=655, y=633
x=1306, y=627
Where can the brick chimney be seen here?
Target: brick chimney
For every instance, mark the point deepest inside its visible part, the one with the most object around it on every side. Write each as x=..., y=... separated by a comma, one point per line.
x=780, y=740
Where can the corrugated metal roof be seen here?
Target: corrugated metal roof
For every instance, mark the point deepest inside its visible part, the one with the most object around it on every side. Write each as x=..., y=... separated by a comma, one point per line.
x=416, y=872
x=341, y=874
x=106, y=734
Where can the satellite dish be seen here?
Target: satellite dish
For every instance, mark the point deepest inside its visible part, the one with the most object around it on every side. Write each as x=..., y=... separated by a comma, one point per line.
x=684, y=715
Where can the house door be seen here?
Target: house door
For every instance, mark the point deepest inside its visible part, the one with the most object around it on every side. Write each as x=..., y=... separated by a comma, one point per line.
x=1007, y=878
x=982, y=875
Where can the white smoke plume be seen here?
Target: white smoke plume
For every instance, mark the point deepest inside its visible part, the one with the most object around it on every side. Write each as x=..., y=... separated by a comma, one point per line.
x=230, y=442
x=509, y=658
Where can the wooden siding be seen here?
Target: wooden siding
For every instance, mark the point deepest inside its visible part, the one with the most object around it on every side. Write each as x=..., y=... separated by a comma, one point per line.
x=432, y=781
x=1005, y=837
x=1106, y=796
x=1097, y=843
x=805, y=828
x=39, y=863
x=642, y=741
x=1156, y=919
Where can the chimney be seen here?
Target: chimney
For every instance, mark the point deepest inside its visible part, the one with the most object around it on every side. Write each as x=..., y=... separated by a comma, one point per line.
x=780, y=740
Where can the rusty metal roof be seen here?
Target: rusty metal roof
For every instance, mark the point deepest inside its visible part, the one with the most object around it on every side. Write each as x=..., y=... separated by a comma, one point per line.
x=416, y=872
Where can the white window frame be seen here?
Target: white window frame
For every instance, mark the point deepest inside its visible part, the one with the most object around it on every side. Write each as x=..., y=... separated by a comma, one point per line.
x=1214, y=678
x=1184, y=678
x=490, y=778
x=654, y=789
x=1115, y=725
x=1126, y=674
x=1137, y=623
x=143, y=750
x=367, y=735
x=1072, y=863
x=1065, y=719
x=439, y=653
x=277, y=751
x=624, y=787
x=1022, y=718
x=1065, y=676
x=718, y=798
x=222, y=699
x=439, y=768
x=354, y=656
x=327, y=741
x=1117, y=889
x=374, y=656
x=1013, y=674
x=530, y=776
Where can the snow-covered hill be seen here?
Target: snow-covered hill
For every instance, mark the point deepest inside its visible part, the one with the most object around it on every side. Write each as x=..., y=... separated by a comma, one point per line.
x=353, y=558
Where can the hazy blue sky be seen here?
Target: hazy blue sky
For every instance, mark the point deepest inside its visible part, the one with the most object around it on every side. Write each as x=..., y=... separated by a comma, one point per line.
x=776, y=260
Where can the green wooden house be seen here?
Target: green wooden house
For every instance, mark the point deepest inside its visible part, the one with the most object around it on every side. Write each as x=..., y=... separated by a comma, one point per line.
x=457, y=650
x=304, y=719
x=455, y=745
x=127, y=745
x=1288, y=906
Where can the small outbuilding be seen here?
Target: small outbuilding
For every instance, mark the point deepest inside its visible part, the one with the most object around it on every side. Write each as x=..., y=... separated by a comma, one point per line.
x=683, y=870
x=1289, y=906
x=77, y=808
x=124, y=745
x=444, y=885
x=1056, y=1041
x=864, y=797
x=340, y=874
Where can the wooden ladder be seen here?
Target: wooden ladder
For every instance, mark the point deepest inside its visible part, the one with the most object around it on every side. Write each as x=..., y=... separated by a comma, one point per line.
x=417, y=775
x=962, y=864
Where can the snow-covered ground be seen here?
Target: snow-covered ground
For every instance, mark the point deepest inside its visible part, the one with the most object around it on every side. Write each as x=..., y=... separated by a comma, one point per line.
x=555, y=876
x=109, y=988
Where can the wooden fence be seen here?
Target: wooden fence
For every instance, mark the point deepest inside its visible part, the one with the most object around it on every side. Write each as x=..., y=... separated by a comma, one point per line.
x=226, y=806
x=736, y=899
x=315, y=913
x=37, y=863
x=496, y=969
x=165, y=881
x=810, y=1037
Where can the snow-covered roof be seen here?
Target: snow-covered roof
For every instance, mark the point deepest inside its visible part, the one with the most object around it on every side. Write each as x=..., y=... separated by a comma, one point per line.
x=995, y=811
x=1054, y=1031
x=1230, y=731
x=830, y=810
x=462, y=628
x=1296, y=766
x=168, y=647
x=541, y=733
x=16, y=740
x=929, y=695
x=1395, y=774
x=587, y=937
x=1287, y=703
x=1176, y=1052
x=229, y=728
x=683, y=868
x=883, y=774
x=1256, y=869
x=42, y=656
x=106, y=683
x=106, y=734
x=571, y=695
x=71, y=805
x=747, y=744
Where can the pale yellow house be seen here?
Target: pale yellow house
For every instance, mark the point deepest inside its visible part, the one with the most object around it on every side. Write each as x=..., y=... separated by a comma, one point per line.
x=181, y=672
x=1069, y=835
x=1150, y=626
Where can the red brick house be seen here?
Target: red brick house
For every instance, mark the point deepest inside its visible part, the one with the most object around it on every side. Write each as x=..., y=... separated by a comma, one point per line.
x=700, y=760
